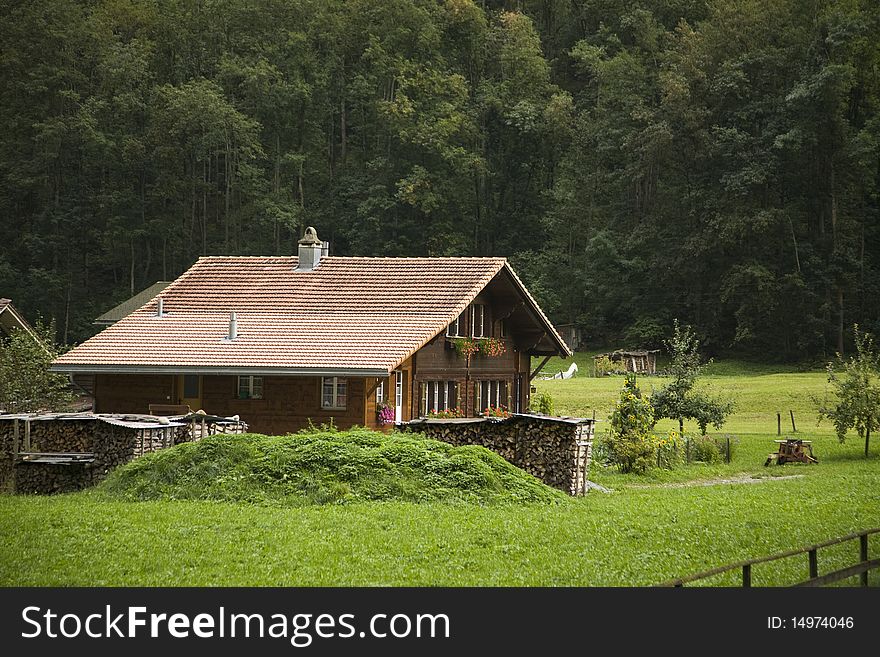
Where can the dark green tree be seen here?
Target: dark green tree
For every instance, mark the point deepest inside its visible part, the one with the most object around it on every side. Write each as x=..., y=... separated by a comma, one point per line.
x=26, y=384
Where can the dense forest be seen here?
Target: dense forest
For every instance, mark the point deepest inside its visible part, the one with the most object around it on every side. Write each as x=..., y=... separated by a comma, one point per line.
x=638, y=161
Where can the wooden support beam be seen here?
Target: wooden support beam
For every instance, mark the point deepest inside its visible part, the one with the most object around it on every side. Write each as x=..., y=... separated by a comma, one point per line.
x=15, y=431
x=539, y=367
x=27, y=435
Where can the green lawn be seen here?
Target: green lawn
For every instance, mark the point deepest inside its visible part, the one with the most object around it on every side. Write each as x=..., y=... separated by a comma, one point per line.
x=649, y=529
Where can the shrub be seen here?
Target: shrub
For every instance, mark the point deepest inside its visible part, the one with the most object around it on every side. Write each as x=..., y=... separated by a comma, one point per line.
x=703, y=448
x=668, y=450
x=602, y=451
x=543, y=404
x=603, y=365
x=630, y=441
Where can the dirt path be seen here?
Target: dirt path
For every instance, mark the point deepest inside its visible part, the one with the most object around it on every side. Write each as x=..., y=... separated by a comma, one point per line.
x=741, y=479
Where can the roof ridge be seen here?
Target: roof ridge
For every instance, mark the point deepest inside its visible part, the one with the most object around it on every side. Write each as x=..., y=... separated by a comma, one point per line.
x=347, y=257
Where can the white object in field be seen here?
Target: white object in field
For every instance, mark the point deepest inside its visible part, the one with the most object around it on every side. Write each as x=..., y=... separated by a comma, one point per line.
x=567, y=374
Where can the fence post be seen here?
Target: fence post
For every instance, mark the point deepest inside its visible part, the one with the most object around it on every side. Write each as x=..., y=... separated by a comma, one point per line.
x=793, y=427
x=814, y=564
x=778, y=423
x=863, y=553
x=747, y=575
x=728, y=449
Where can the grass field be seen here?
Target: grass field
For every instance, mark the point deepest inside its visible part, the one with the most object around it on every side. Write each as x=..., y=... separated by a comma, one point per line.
x=649, y=529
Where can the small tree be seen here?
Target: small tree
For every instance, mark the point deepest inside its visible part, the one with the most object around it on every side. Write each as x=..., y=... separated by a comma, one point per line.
x=26, y=384
x=857, y=388
x=679, y=399
x=629, y=444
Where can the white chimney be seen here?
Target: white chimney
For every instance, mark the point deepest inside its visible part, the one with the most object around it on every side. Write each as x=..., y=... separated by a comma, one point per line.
x=160, y=311
x=233, y=327
x=310, y=250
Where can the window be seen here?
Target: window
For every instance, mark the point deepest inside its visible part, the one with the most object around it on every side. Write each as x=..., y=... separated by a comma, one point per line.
x=491, y=393
x=380, y=391
x=333, y=392
x=478, y=320
x=398, y=389
x=191, y=386
x=439, y=396
x=502, y=328
x=454, y=329
x=250, y=387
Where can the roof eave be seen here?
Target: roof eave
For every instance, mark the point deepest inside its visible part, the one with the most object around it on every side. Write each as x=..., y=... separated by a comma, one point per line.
x=221, y=370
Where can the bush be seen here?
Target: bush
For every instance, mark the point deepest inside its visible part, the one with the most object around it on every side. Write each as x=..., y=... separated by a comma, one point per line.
x=630, y=442
x=668, y=450
x=604, y=365
x=703, y=448
x=543, y=404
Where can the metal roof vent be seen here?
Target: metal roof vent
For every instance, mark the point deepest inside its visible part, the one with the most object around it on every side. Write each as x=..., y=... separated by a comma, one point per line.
x=310, y=250
x=160, y=309
x=233, y=328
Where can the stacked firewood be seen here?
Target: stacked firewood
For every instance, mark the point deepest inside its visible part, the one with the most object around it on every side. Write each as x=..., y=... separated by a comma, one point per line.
x=551, y=450
x=104, y=446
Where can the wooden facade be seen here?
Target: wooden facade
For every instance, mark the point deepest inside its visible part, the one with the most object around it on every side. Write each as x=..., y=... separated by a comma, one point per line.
x=290, y=403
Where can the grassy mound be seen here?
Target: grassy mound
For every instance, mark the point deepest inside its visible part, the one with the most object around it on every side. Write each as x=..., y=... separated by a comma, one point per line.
x=322, y=468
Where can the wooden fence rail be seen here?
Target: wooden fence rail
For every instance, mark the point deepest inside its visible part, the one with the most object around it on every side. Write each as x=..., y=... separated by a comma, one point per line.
x=812, y=551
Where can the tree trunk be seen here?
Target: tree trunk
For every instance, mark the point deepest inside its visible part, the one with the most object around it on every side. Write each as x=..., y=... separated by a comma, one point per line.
x=342, y=131
x=868, y=436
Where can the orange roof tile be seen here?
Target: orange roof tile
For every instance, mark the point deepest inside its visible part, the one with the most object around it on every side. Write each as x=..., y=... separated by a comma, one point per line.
x=351, y=315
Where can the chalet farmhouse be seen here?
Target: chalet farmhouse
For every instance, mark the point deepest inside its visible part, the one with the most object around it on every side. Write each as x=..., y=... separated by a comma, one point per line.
x=283, y=340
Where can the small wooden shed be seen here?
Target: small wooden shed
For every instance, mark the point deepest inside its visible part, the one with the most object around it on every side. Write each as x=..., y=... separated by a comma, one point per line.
x=643, y=361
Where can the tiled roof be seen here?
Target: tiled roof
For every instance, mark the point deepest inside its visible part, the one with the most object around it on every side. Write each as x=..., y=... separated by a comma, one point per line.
x=11, y=319
x=352, y=315
x=131, y=304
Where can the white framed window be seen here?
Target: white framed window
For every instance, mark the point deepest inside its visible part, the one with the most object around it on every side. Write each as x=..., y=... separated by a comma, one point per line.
x=439, y=396
x=334, y=392
x=454, y=330
x=250, y=387
x=491, y=393
x=478, y=320
x=380, y=391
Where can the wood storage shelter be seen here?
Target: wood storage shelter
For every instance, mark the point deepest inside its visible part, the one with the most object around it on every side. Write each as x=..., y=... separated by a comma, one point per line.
x=639, y=361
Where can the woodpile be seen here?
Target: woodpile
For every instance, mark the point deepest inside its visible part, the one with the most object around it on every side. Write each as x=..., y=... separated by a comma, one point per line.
x=555, y=450
x=62, y=454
